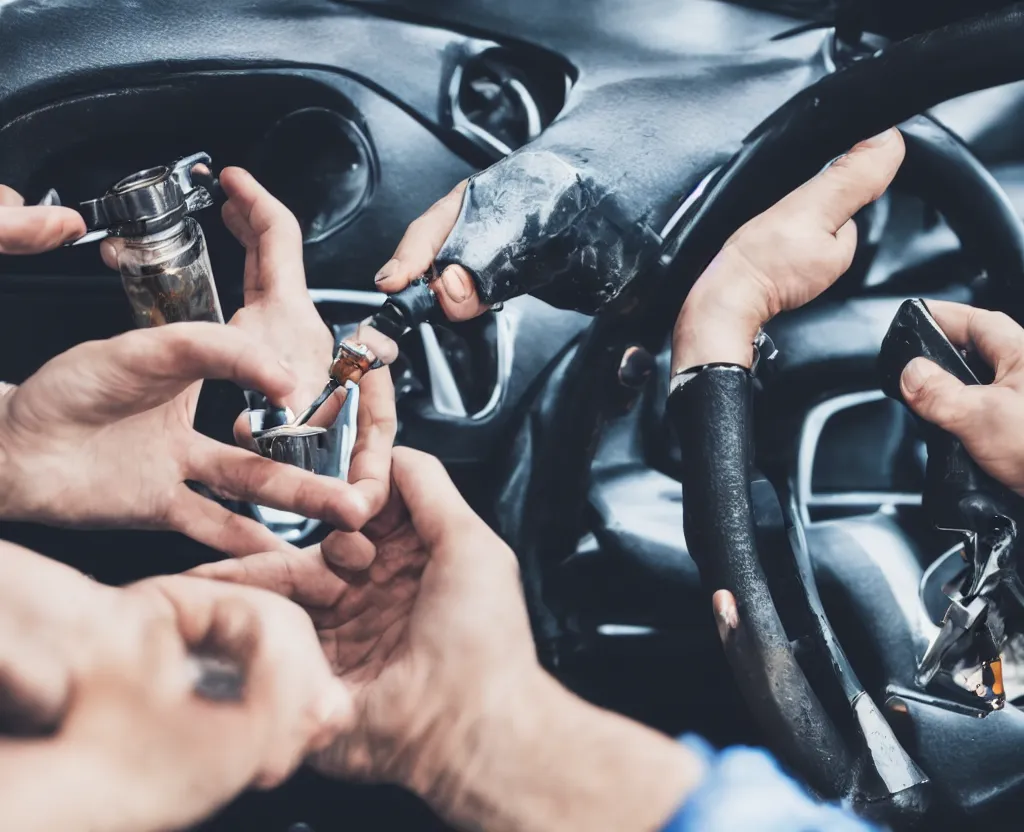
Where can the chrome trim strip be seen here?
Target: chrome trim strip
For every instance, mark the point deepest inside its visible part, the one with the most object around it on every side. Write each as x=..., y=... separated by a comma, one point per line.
x=695, y=194
x=864, y=498
x=357, y=297
x=810, y=436
x=444, y=391
x=506, y=352
x=625, y=630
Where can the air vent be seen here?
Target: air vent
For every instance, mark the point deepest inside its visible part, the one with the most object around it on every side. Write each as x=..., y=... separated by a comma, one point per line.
x=500, y=100
x=321, y=164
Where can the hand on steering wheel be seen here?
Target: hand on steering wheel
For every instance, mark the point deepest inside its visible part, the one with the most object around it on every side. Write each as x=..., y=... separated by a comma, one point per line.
x=782, y=258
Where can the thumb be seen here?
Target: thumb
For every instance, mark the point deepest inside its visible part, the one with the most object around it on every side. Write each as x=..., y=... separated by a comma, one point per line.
x=437, y=509
x=938, y=397
x=34, y=229
x=457, y=293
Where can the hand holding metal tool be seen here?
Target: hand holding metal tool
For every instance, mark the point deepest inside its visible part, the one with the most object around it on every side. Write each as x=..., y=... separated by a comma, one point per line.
x=162, y=254
x=400, y=313
x=986, y=606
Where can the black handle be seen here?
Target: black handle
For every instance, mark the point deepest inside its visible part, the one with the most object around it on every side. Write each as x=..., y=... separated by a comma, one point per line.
x=957, y=493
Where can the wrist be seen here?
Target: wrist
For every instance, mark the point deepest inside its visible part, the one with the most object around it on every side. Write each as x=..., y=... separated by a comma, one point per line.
x=708, y=332
x=722, y=315
x=550, y=760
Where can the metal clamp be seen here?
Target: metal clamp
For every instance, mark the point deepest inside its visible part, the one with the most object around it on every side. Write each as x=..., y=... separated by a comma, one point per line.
x=148, y=201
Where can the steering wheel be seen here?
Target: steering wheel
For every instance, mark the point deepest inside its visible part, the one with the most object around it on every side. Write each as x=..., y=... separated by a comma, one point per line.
x=741, y=528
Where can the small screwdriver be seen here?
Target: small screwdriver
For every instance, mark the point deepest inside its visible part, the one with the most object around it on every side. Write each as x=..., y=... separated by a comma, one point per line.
x=414, y=305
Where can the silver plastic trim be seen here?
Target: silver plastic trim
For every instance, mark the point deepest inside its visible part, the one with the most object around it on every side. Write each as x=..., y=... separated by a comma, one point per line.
x=628, y=630
x=894, y=765
x=828, y=51
x=476, y=134
x=505, y=354
x=680, y=212
x=810, y=436
x=444, y=391
x=357, y=297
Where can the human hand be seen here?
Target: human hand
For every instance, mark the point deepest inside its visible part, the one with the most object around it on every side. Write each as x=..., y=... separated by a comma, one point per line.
x=32, y=229
x=415, y=255
x=137, y=747
x=423, y=617
x=985, y=418
x=278, y=309
x=102, y=436
x=782, y=258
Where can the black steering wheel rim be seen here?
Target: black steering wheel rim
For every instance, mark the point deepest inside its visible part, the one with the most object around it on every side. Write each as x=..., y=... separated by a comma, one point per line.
x=719, y=463
x=815, y=126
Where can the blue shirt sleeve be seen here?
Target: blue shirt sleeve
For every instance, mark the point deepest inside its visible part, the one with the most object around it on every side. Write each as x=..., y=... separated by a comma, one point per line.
x=744, y=788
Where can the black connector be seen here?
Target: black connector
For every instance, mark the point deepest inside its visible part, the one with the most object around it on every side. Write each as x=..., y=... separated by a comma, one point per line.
x=414, y=305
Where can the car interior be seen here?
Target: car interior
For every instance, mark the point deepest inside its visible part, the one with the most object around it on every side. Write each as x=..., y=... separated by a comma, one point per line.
x=686, y=118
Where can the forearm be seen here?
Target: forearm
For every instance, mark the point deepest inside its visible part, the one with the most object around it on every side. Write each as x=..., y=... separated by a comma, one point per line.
x=557, y=762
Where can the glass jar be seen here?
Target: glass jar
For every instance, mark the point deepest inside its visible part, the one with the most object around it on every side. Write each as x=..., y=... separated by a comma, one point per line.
x=167, y=276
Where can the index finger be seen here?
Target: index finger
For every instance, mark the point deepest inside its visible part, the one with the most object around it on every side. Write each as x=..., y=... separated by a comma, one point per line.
x=377, y=424
x=34, y=229
x=996, y=337
x=849, y=183
x=242, y=475
x=265, y=226
x=144, y=366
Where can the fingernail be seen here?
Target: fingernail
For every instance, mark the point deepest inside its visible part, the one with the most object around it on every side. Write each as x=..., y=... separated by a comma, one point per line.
x=880, y=139
x=384, y=348
x=386, y=271
x=725, y=609
x=917, y=373
x=285, y=364
x=455, y=281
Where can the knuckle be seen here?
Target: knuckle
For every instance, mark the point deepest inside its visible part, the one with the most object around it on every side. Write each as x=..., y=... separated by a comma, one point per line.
x=273, y=774
x=852, y=176
x=1003, y=321
x=939, y=407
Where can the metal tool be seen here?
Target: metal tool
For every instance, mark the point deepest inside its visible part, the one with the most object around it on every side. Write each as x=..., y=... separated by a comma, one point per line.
x=399, y=314
x=986, y=606
x=161, y=251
